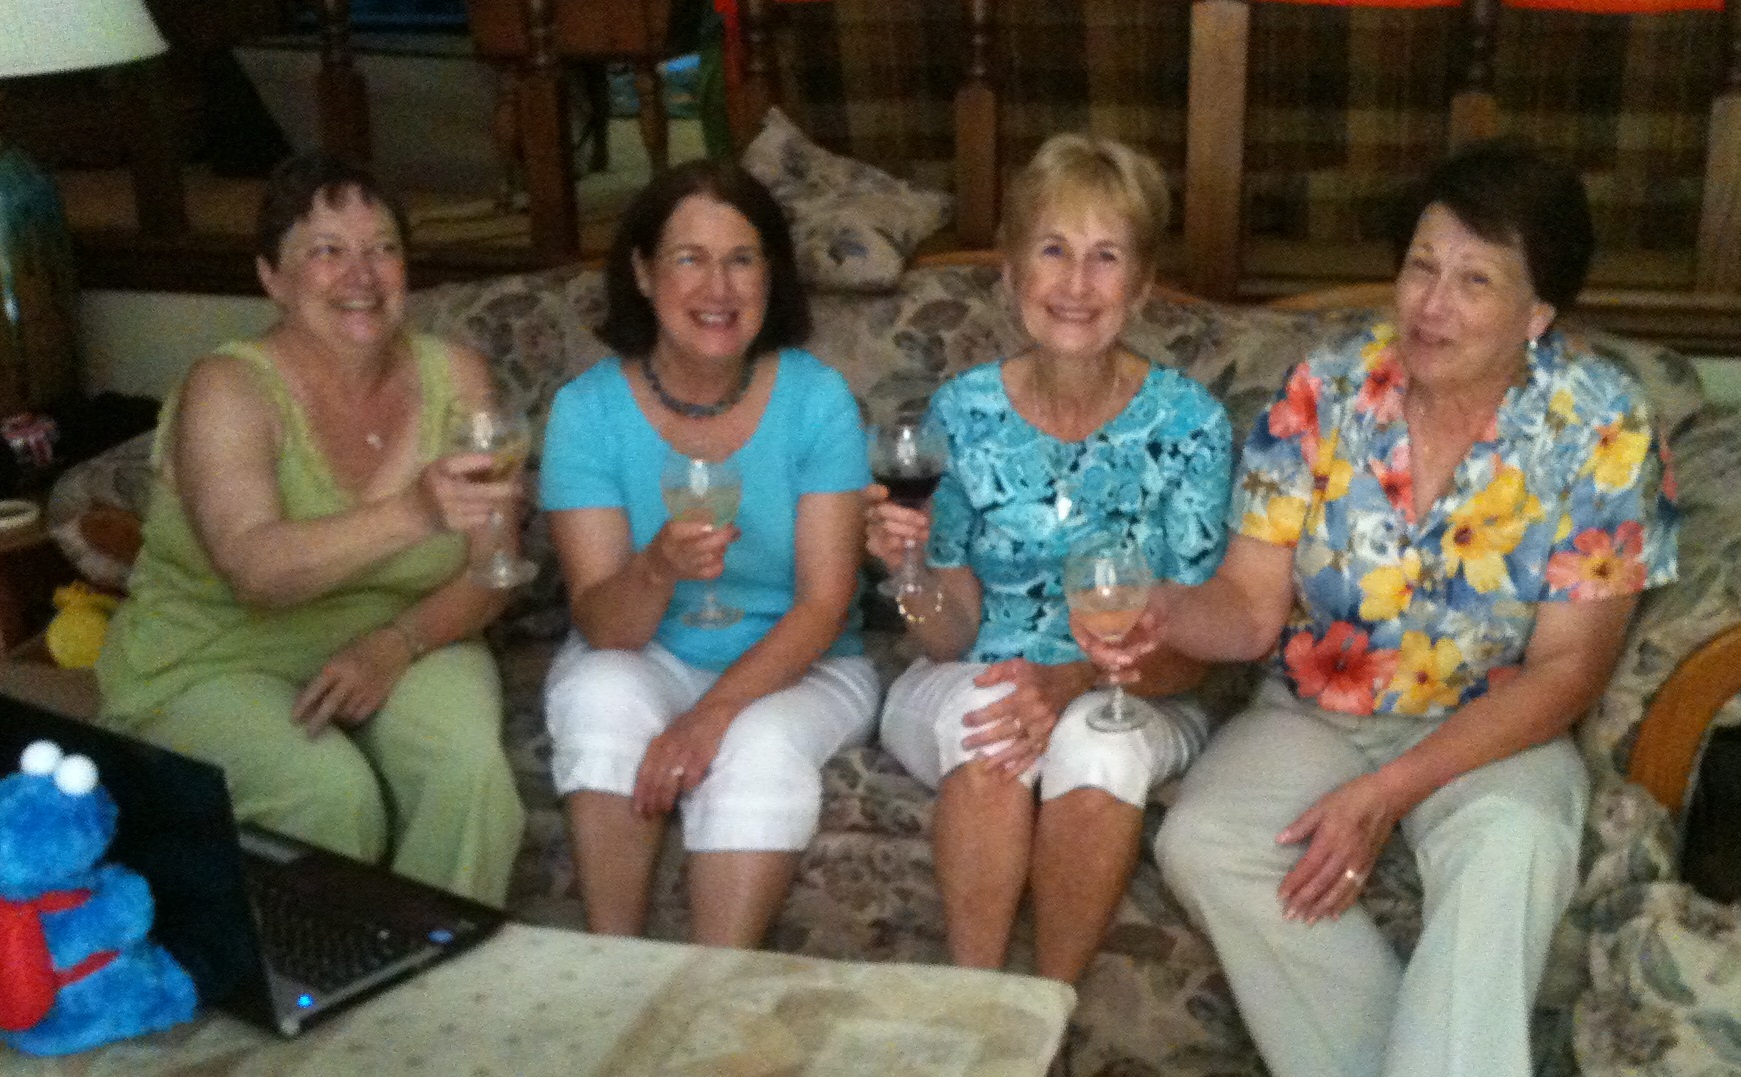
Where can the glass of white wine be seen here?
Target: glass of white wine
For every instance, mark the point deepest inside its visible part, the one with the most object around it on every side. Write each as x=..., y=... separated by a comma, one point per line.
x=709, y=490
x=507, y=438
x=1106, y=583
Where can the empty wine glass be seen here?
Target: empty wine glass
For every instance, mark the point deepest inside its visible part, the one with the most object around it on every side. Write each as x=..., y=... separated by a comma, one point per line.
x=908, y=457
x=507, y=437
x=1106, y=583
x=710, y=489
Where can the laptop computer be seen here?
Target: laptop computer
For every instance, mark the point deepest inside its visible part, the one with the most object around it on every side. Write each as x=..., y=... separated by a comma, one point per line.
x=269, y=928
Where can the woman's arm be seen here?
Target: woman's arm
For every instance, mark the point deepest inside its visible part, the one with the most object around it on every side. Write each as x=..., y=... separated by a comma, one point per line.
x=1570, y=657
x=616, y=594
x=223, y=464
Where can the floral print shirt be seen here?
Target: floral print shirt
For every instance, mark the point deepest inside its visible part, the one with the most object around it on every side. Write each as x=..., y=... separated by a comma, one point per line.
x=1565, y=497
x=1014, y=499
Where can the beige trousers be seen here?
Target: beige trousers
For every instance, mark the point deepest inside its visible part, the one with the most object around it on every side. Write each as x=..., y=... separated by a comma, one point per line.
x=1498, y=855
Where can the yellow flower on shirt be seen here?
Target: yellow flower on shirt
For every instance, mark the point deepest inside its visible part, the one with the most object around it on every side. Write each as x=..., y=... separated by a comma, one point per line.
x=1280, y=522
x=1487, y=527
x=1385, y=592
x=1619, y=451
x=1423, y=673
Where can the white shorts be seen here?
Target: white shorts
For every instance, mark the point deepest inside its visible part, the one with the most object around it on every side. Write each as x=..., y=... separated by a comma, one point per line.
x=922, y=728
x=764, y=790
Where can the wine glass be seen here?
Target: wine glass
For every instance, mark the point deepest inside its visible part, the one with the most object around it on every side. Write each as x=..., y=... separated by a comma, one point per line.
x=507, y=437
x=710, y=489
x=1106, y=583
x=908, y=457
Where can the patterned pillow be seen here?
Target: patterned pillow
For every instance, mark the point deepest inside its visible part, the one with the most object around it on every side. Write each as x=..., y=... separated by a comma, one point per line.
x=1665, y=966
x=855, y=226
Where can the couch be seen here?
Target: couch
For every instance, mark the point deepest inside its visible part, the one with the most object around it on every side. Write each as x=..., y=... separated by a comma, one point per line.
x=1645, y=977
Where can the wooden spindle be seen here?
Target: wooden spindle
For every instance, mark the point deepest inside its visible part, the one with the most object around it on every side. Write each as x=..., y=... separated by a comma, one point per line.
x=343, y=98
x=544, y=133
x=153, y=150
x=1215, y=145
x=1718, y=268
x=976, y=129
x=1474, y=107
x=758, y=92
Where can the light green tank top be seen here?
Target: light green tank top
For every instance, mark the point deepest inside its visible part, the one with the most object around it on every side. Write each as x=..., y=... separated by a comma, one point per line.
x=182, y=624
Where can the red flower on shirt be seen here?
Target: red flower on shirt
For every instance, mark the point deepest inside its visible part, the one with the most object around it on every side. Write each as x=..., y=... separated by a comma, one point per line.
x=1296, y=414
x=1338, y=671
x=1381, y=392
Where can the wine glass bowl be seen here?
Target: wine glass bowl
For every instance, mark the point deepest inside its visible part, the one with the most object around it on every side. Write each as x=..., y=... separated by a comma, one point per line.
x=1106, y=583
x=709, y=490
x=907, y=457
x=506, y=437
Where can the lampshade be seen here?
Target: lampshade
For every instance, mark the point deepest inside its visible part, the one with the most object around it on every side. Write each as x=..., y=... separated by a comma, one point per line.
x=39, y=37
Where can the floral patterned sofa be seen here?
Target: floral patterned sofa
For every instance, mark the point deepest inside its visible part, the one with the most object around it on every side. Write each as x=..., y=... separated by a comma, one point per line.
x=1646, y=975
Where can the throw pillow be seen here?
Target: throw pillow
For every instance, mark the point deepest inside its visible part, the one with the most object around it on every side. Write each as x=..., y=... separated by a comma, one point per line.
x=854, y=225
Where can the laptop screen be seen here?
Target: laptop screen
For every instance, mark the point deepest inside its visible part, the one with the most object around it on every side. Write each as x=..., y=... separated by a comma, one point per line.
x=176, y=829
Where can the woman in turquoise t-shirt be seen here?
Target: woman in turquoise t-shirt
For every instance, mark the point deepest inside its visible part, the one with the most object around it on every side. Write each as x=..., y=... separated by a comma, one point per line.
x=1073, y=437
x=729, y=725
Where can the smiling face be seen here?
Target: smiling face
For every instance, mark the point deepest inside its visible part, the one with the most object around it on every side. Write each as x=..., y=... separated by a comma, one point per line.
x=1466, y=310
x=707, y=282
x=341, y=274
x=1077, y=282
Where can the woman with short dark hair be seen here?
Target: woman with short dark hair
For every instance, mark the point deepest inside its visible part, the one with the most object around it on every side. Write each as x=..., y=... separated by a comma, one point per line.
x=299, y=613
x=650, y=713
x=1444, y=526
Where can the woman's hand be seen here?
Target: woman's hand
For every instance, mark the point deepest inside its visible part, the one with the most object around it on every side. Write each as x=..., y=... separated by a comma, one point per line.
x=1346, y=828
x=677, y=760
x=1022, y=721
x=455, y=495
x=890, y=529
x=1119, y=660
x=692, y=549
x=353, y=684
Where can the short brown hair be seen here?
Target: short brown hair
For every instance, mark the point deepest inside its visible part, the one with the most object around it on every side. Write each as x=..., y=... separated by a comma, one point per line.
x=298, y=181
x=1076, y=172
x=630, y=325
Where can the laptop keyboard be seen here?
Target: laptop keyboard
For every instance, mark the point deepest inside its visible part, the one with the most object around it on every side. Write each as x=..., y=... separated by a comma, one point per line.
x=320, y=948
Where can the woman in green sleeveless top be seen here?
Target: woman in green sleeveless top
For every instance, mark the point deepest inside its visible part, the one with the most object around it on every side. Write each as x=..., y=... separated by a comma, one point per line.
x=300, y=613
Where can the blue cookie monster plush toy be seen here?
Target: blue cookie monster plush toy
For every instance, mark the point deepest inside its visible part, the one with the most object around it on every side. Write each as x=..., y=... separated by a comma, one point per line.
x=78, y=971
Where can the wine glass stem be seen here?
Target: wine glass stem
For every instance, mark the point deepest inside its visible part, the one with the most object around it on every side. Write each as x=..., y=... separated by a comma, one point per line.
x=910, y=567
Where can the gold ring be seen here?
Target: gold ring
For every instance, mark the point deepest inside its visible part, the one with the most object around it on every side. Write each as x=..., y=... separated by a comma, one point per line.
x=676, y=772
x=1354, y=877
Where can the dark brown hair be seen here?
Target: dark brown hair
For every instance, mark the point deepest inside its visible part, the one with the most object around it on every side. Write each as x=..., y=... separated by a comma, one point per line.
x=631, y=327
x=1506, y=192
x=294, y=185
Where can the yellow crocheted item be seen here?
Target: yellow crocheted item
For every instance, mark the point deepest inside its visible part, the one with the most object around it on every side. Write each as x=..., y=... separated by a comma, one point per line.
x=75, y=636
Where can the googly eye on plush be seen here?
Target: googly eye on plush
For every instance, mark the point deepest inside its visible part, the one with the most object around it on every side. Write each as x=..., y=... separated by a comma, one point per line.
x=40, y=758
x=75, y=776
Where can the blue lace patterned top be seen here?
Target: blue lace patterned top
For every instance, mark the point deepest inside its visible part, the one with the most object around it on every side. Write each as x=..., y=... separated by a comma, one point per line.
x=1014, y=499
x=1565, y=497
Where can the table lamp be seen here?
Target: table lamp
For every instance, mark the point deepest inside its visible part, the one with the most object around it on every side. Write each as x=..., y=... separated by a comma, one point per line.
x=38, y=291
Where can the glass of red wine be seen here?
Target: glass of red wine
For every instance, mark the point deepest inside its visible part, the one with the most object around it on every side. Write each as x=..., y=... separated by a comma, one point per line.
x=908, y=456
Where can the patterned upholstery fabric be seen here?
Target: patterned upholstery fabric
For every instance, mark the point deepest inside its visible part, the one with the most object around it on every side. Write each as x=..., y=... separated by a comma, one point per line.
x=1343, y=100
x=855, y=226
x=1638, y=978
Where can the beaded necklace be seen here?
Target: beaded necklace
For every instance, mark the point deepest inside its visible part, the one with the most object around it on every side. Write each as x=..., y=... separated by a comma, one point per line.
x=698, y=411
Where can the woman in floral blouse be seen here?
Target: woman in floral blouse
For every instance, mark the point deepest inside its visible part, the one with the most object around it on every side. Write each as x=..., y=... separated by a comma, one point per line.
x=1443, y=527
x=1074, y=436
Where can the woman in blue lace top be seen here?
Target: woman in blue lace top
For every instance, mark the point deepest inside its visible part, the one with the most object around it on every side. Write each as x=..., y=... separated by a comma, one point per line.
x=1073, y=437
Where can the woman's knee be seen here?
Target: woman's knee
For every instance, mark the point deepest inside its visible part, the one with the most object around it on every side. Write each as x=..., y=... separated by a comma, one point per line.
x=1077, y=757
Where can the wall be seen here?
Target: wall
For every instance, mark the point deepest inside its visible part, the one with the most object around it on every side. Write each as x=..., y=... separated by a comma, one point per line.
x=141, y=342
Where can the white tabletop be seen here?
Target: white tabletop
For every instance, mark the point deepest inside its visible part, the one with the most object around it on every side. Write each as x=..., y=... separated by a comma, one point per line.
x=535, y=1001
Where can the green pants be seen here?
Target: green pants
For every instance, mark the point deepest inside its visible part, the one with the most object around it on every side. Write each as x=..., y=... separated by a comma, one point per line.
x=423, y=784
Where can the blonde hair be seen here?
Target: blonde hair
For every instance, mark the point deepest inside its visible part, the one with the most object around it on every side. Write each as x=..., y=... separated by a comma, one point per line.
x=1075, y=174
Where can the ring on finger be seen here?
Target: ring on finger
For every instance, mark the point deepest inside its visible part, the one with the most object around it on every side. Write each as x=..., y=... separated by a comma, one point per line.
x=676, y=771
x=1355, y=877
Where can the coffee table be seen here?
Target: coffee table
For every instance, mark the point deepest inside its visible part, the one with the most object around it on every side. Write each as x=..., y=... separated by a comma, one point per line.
x=535, y=1001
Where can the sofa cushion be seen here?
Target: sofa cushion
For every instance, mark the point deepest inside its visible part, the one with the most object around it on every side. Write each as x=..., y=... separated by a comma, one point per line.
x=855, y=226
x=1666, y=986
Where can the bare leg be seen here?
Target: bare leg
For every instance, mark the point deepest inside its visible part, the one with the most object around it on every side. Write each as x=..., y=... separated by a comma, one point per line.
x=1085, y=848
x=615, y=851
x=982, y=836
x=733, y=897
